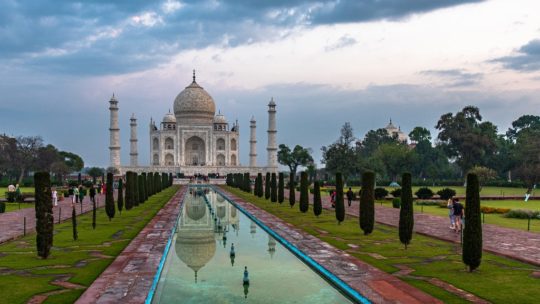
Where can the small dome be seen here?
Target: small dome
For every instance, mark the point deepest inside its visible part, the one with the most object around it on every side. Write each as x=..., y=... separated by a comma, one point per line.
x=196, y=209
x=194, y=105
x=169, y=118
x=220, y=119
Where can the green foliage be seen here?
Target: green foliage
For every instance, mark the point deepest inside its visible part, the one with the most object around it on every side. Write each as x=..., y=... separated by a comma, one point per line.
x=424, y=193
x=120, y=198
x=340, y=205
x=149, y=184
x=129, y=190
x=292, y=194
x=141, y=188
x=74, y=223
x=304, y=194
x=44, y=213
x=135, y=189
x=109, y=197
x=145, y=186
x=72, y=160
x=341, y=156
x=446, y=193
x=281, y=188
x=367, y=199
x=380, y=193
x=406, y=213
x=472, y=234
x=2, y=207
x=247, y=182
x=484, y=174
x=273, y=188
x=396, y=192
x=94, y=214
x=299, y=156
x=522, y=214
x=267, y=186
x=317, y=204
x=396, y=202
x=395, y=158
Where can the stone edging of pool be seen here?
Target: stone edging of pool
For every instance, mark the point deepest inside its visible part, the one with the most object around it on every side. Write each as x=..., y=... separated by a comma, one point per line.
x=352, y=276
x=130, y=277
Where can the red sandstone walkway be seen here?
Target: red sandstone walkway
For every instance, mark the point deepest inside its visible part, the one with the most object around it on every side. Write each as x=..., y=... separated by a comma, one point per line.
x=12, y=223
x=129, y=278
x=372, y=283
x=516, y=244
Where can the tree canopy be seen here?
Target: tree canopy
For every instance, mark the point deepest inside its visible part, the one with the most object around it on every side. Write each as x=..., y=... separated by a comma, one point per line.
x=299, y=156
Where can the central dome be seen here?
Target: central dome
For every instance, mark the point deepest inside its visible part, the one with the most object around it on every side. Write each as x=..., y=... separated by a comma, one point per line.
x=194, y=105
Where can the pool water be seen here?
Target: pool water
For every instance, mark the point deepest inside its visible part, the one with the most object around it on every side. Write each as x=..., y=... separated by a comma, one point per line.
x=199, y=267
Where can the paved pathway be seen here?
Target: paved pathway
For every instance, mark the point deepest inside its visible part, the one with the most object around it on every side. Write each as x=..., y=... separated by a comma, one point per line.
x=516, y=244
x=129, y=278
x=12, y=223
x=372, y=283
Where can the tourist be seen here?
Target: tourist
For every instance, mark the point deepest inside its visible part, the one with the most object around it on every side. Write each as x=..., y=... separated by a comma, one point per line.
x=232, y=253
x=458, y=214
x=55, y=197
x=11, y=193
x=18, y=195
x=81, y=193
x=75, y=197
x=450, y=206
x=333, y=198
x=246, y=276
x=350, y=195
x=93, y=194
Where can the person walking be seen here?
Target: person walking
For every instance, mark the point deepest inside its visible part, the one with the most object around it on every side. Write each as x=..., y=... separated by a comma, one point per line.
x=450, y=206
x=458, y=214
x=350, y=195
x=75, y=198
x=81, y=193
x=55, y=197
x=333, y=198
x=18, y=195
x=93, y=194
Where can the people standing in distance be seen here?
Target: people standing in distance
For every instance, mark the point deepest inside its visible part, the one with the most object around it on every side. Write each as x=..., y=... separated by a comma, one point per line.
x=350, y=195
x=458, y=214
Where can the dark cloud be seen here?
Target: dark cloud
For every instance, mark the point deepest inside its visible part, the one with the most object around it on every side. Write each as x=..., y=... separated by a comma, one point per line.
x=101, y=37
x=455, y=77
x=526, y=59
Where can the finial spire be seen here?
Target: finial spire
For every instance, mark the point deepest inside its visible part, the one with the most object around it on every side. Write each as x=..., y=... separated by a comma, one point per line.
x=193, y=75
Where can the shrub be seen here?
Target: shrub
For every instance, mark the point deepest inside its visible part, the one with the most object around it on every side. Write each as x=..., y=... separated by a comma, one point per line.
x=424, y=193
x=367, y=198
x=406, y=214
x=522, y=214
x=396, y=202
x=489, y=210
x=380, y=193
x=396, y=193
x=431, y=203
x=446, y=193
x=2, y=207
x=472, y=233
x=340, y=206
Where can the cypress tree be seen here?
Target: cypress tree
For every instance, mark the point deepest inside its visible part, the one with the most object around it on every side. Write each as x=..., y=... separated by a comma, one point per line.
x=273, y=188
x=74, y=223
x=228, y=180
x=317, y=205
x=256, y=186
x=247, y=182
x=267, y=186
x=292, y=194
x=136, y=198
x=367, y=199
x=340, y=205
x=44, y=213
x=304, y=194
x=472, y=234
x=149, y=184
x=281, y=190
x=157, y=182
x=141, y=189
x=406, y=213
x=145, y=190
x=129, y=191
x=261, y=186
x=109, y=197
x=171, y=179
x=120, y=199
x=94, y=214
x=164, y=182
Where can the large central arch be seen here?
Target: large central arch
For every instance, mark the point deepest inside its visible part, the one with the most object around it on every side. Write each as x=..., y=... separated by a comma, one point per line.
x=195, y=151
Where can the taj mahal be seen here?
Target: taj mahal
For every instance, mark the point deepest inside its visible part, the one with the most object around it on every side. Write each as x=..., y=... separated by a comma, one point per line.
x=194, y=139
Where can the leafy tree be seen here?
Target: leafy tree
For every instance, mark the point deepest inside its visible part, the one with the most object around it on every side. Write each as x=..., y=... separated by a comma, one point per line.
x=44, y=213
x=340, y=205
x=95, y=172
x=424, y=193
x=367, y=207
x=472, y=233
x=528, y=150
x=446, y=193
x=60, y=169
x=281, y=186
x=311, y=170
x=299, y=156
x=484, y=174
x=525, y=123
x=341, y=156
x=464, y=137
x=292, y=194
x=109, y=197
x=267, y=186
x=26, y=154
x=317, y=205
x=396, y=157
x=406, y=213
x=73, y=161
x=380, y=193
x=46, y=156
x=273, y=188
x=304, y=193
x=373, y=139
x=420, y=134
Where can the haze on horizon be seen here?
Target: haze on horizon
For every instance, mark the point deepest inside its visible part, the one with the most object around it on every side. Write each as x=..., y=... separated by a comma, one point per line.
x=324, y=62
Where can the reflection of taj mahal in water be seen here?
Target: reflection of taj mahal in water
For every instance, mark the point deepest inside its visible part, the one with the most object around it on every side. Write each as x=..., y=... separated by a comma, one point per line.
x=205, y=223
x=193, y=139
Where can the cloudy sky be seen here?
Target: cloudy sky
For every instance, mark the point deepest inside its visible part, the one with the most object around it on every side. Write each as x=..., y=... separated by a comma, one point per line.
x=324, y=62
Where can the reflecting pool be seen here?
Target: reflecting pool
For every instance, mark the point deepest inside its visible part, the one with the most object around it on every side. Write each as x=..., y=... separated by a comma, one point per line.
x=215, y=244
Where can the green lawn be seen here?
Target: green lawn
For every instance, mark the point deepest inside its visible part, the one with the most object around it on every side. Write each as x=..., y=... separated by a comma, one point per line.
x=15, y=206
x=81, y=261
x=23, y=190
x=495, y=219
x=487, y=191
x=499, y=280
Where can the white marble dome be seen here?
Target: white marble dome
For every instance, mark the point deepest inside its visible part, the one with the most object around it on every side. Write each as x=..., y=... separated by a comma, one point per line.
x=194, y=105
x=169, y=118
x=220, y=119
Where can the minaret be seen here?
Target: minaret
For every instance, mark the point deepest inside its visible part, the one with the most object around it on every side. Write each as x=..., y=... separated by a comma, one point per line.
x=133, y=142
x=272, y=145
x=114, y=130
x=253, y=144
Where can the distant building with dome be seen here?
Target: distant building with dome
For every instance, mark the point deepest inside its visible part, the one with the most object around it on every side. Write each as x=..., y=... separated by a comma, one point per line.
x=193, y=139
x=396, y=132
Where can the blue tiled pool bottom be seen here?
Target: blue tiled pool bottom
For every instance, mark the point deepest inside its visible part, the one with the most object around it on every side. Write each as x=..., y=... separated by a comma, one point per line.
x=199, y=267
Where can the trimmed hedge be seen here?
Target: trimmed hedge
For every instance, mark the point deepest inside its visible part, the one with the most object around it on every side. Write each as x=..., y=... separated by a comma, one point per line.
x=424, y=193
x=380, y=193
